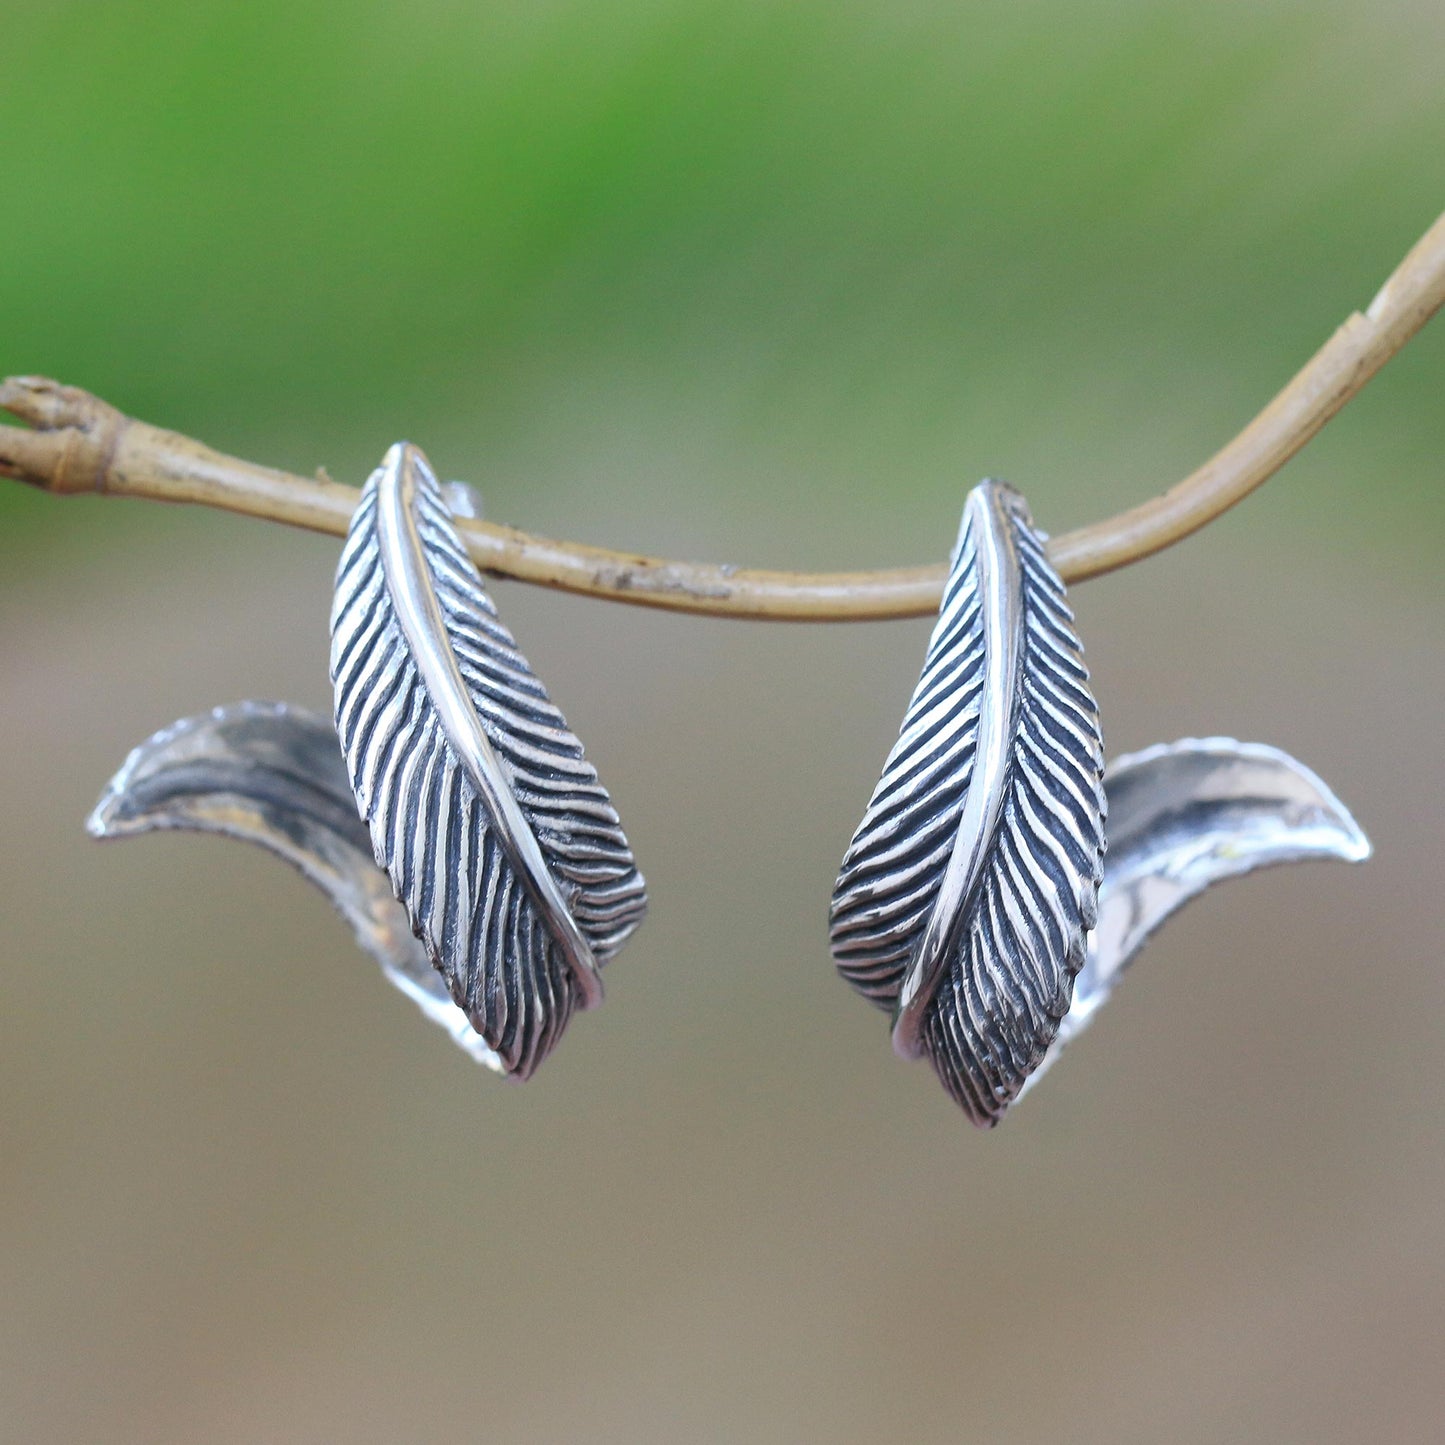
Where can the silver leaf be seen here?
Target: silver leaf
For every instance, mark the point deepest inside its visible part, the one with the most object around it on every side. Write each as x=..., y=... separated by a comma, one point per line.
x=500, y=842
x=967, y=892
x=272, y=774
x=1182, y=817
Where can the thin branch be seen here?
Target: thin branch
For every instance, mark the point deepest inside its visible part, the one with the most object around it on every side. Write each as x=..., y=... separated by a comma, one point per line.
x=78, y=443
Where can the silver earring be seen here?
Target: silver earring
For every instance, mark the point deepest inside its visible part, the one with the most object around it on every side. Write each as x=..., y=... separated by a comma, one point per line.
x=458, y=827
x=965, y=897
x=976, y=902
x=500, y=843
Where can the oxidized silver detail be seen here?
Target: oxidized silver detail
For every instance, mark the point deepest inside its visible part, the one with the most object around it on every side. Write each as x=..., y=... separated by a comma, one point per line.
x=499, y=841
x=272, y=774
x=1182, y=817
x=407, y=573
x=1002, y=618
x=967, y=892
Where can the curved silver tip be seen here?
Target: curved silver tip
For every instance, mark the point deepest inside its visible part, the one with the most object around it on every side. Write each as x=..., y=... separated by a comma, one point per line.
x=1184, y=816
x=272, y=774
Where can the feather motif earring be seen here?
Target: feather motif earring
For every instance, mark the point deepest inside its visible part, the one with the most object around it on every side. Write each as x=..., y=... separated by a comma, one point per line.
x=976, y=902
x=966, y=895
x=501, y=845
x=459, y=828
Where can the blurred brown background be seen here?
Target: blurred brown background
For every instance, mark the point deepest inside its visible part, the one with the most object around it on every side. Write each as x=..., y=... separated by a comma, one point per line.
x=770, y=284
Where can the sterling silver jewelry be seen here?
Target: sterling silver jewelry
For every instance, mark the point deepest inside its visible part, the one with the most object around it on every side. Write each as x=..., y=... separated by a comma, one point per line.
x=500, y=843
x=975, y=901
x=455, y=823
x=966, y=894
x=457, y=827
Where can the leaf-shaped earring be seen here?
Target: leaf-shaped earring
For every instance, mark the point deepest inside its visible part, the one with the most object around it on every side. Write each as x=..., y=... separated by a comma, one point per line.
x=966, y=896
x=501, y=845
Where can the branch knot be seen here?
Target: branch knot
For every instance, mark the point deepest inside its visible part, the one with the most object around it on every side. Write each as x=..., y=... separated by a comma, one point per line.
x=79, y=432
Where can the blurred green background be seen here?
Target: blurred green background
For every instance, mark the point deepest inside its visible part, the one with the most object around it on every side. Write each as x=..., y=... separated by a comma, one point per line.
x=772, y=284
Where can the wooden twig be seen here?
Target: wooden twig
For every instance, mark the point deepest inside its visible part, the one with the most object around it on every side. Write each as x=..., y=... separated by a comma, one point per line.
x=78, y=443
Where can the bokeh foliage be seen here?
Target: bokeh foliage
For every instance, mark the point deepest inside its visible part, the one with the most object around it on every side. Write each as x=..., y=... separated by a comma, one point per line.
x=729, y=257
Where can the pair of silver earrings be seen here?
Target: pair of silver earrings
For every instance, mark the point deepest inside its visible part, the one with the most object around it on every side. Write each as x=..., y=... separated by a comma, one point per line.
x=462, y=833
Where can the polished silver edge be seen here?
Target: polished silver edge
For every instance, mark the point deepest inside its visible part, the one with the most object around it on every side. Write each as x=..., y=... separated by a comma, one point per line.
x=988, y=512
x=272, y=774
x=1147, y=881
x=403, y=558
